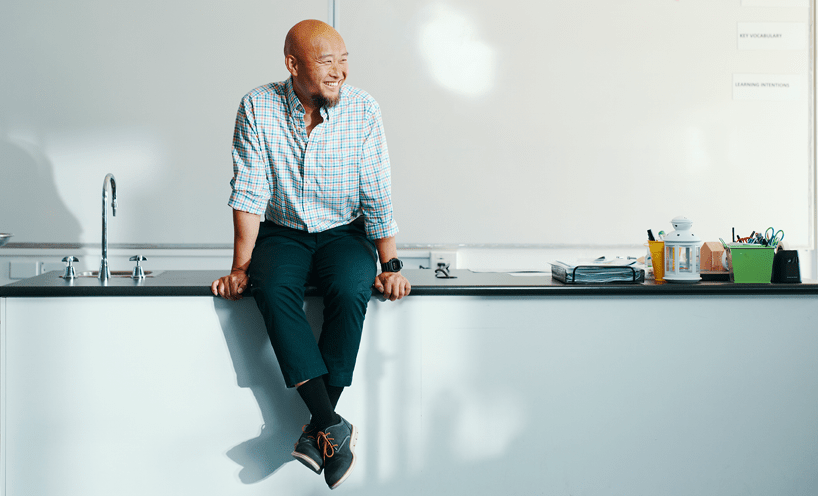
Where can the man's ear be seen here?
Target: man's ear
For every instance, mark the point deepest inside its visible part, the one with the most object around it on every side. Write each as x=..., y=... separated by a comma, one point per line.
x=292, y=64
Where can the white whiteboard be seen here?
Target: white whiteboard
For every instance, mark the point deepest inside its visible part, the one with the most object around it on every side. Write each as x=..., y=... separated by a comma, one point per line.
x=515, y=122
x=583, y=122
x=146, y=90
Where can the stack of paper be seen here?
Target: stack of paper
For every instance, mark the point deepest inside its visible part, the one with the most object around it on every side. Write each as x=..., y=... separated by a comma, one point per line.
x=617, y=270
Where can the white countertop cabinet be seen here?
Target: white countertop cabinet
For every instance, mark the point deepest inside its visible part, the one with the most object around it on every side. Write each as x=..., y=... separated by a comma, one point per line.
x=559, y=393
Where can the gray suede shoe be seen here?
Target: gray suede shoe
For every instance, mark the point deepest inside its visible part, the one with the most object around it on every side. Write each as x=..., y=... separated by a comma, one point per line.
x=306, y=449
x=337, y=443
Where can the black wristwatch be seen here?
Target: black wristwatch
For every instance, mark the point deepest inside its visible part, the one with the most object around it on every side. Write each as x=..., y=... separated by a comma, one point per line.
x=394, y=265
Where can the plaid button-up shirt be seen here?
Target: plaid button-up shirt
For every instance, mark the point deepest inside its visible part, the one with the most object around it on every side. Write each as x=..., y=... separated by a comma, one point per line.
x=337, y=174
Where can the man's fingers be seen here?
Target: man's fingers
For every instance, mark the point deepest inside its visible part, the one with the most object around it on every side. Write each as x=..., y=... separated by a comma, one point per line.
x=393, y=290
x=229, y=287
x=238, y=289
x=393, y=287
x=389, y=290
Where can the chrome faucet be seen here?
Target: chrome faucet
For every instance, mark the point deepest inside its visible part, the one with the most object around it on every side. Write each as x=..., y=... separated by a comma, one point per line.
x=108, y=182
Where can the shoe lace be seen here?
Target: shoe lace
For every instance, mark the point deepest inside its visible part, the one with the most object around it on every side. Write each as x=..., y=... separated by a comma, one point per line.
x=307, y=429
x=326, y=445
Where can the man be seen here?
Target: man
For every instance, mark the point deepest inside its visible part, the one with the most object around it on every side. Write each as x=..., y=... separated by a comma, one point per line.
x=310, y=155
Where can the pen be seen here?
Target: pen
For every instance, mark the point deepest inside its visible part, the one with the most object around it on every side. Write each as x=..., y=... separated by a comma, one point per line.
x=650, y=235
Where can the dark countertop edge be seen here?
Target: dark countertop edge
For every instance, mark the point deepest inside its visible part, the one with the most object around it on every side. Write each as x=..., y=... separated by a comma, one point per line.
x=196, y=283
x=649, y=289
x=516, y=291
x=90, y=291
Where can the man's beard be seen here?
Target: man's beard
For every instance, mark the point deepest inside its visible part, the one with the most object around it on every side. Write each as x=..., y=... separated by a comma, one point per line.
x=321, y=101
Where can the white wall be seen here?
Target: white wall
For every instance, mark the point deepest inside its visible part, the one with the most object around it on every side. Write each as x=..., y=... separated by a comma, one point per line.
x=149, y=92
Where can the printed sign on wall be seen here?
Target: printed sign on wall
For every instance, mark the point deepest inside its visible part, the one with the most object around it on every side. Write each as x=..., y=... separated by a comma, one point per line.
x=771, y=87
x=772, y=36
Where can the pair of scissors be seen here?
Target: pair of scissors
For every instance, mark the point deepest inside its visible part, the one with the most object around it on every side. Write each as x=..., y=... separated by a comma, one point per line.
x=773, y=237
x=442, y=272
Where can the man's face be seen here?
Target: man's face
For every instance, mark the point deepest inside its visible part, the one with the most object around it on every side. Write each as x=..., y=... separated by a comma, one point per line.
x=321, y=70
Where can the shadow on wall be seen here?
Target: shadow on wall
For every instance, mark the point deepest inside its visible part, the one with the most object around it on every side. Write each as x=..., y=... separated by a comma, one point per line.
x=30, y=206
x=256, y=367
x=431, y=441
x=396, y=461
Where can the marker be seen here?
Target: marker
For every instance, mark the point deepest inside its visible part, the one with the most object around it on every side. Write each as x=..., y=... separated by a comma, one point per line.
x=650, y=235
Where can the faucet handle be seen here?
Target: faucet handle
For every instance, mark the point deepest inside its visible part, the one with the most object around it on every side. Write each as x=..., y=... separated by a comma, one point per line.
x=69, y=267
x=138, y=271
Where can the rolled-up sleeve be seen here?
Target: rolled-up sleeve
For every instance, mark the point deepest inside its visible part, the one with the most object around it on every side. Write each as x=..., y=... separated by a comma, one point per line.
x=375, y=180
x=250, y=185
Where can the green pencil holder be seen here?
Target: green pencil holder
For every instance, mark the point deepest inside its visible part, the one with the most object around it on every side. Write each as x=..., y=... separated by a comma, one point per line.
x=750, y=263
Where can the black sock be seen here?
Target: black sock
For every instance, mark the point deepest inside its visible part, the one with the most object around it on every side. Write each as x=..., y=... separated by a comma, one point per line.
x=314, y=394
x=334, y=392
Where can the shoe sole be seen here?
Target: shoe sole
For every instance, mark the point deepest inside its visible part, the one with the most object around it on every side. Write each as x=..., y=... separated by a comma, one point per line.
x=307, y=462
x=353, y=440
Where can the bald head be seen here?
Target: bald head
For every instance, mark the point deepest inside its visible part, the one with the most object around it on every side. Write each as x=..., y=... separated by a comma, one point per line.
x=306, y=34
x=316, y=57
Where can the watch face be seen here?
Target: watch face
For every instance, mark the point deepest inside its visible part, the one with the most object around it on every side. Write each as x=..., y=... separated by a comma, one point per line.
x=393, y=265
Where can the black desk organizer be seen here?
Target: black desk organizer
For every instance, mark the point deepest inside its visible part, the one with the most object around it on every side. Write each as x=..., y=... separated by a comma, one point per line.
x=786, y=268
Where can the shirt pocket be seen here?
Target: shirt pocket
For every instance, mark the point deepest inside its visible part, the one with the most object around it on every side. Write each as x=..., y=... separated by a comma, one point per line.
x=338, y=178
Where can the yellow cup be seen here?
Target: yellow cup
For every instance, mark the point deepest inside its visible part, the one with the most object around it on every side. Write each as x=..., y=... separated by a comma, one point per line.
x=657, y=254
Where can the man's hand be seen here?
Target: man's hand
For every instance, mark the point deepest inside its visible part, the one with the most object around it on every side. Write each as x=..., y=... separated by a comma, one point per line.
x=393, y=285
x=231, y=286
x=245, y=232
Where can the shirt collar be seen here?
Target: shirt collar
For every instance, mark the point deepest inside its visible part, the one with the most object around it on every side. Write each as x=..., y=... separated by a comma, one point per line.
x=292, y=98
x=297, y=107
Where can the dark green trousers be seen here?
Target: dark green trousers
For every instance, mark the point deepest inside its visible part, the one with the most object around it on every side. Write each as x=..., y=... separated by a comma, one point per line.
x=341, y=263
